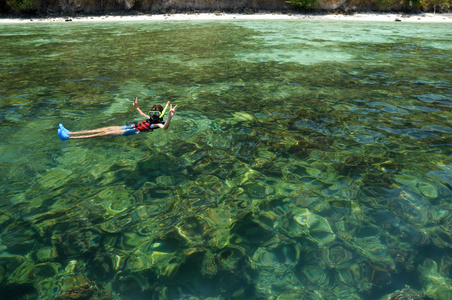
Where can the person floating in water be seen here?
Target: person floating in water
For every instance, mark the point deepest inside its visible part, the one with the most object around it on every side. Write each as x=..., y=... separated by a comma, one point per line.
x=153, y=121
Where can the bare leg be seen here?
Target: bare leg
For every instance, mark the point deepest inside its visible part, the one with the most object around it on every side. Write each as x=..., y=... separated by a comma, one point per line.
x=85, y=134
x=99, y=130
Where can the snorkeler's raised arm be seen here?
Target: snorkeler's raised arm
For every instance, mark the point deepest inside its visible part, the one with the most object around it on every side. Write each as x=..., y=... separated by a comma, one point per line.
x=135, y=104
x=171, y=113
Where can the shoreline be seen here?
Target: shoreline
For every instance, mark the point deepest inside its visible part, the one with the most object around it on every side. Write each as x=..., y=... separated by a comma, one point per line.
x=374, y=17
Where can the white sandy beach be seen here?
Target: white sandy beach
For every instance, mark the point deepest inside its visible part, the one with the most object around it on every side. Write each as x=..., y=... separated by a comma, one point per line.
x=381, y=17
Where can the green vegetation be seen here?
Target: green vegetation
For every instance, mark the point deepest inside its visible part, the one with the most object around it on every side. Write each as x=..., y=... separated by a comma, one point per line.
x=23, y=5
x=304, y=4
x=96, y=6
x=384, y=4
x=436, y=5
x=411, y=5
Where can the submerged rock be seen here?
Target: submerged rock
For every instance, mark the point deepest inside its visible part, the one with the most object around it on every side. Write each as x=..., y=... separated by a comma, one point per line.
x=407, y=293
x=436, y=285
x=79, y=292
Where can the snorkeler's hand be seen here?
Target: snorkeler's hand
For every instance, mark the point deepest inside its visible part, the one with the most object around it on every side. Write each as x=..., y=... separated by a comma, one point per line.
x=172, y=111
x=135, y=102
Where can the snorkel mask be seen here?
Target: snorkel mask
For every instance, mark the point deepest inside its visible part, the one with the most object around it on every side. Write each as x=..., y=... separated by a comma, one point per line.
x=155, y=113
x=154, y=116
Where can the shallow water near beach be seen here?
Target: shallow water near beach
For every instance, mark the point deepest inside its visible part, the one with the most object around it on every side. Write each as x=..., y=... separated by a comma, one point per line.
x=306, y=160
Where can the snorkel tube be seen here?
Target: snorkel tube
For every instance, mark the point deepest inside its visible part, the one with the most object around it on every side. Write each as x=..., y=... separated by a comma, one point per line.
x=164, y=110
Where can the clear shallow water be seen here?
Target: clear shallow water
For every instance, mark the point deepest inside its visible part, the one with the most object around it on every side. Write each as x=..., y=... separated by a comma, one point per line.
x=307, y=159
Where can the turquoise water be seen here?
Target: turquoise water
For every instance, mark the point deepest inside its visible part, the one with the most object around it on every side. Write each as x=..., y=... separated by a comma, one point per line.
x=306, y=160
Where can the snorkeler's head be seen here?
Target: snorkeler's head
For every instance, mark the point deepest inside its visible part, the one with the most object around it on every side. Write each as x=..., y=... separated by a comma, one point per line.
x=156, y=111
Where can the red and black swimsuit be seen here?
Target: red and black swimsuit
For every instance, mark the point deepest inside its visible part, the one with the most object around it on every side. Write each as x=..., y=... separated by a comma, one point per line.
x=147, y=125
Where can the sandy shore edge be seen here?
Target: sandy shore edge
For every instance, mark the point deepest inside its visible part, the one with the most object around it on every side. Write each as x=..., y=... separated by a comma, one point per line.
x=383, y=17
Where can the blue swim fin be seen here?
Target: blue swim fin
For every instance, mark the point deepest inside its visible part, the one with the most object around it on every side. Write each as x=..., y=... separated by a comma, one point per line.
x=63, y=133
